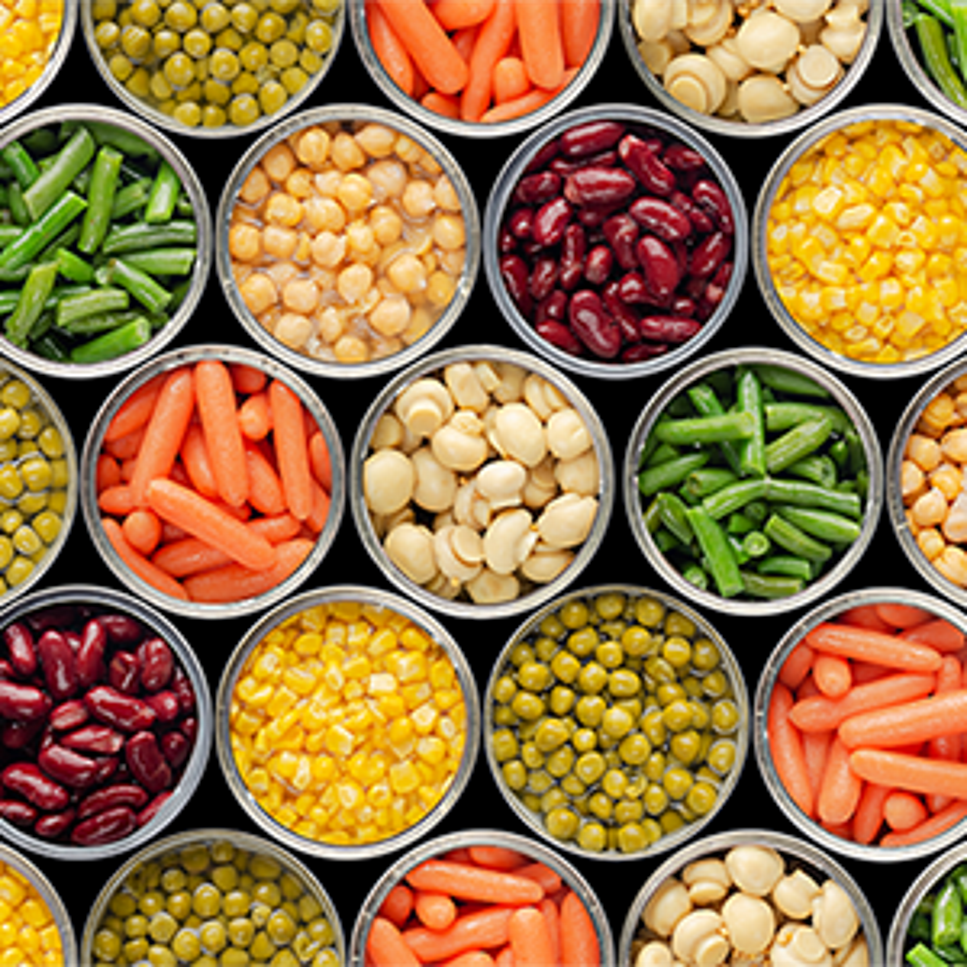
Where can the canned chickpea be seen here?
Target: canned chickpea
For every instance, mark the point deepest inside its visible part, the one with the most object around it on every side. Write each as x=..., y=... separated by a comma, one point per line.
x=348, y=242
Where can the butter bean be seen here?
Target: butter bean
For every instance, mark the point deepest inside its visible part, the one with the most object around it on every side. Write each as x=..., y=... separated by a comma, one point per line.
x=410, y=548
x=389, y=478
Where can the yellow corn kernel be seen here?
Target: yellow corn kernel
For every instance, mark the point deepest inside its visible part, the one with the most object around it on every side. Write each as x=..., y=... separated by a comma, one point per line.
x=832, y=273
x=891, y=294
x=883, y=232
x=876, y=267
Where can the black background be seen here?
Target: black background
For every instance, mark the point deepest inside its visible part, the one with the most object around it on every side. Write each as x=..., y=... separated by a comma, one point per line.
x=618, y=560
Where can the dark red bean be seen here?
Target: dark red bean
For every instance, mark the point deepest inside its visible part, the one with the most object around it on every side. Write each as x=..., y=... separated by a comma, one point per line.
x=710, y=197
x=124, y=712
x=146, y=762
x=121, y=629
x=18, y=812
x=647, y=167
x=661, y=218
x=27, y=780
x=642, y=351
x=543, y=278
x=151, y=810
x=700, y=221
x=7, y=672
x=57, y=616
x=521, y=223
x=623, y=314
x=157, y=663
x=54, y=825
x=573, y=248
x=95, y=739
x=89, y=659
x=182, y=687
x=110, y=797
x=599, y=186
x=550, y=220
x=124, y=672
x=668, y=329
x=165, y=705
x=23, y=703
x=515, y=275
x=57, y=663
x=567, y=166
x=592, y=324
x=659, y=266
x=557, y=334
x=105, y=827
x=552, y=306
x=18, y=735
x=175, y=748
x=598, y=264
x=21, y=650
x=621, y=232
x=709, y=254
x=590, y=138
x=68, y=715
x=682, y=157
x=633, y=290
x=537, y=188
x=66, y=766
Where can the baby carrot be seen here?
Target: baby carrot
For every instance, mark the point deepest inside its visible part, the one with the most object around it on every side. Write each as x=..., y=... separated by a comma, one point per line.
x=541, y=873
x=466, y=882
x=134, y=412
x=493, y=41
x=535, y=98
x=116, y=500
x=388, y=47
x=265, y=488
x=446, y=105
x=579, y=27
x=552, y=917
x=932, y=826
x=201, y=518
x=164, y=431
x=385, y=946
x=254, y=417
x=868, y=818
x=427, y=43
x=434, y=910
x=912, y=772
x=472, y=958
x=215, y=398
x=234, y=582
x=815, y=750
x=798, y=664
x=864, y=616
x=541, y=47
x=868, y=645
x=785, y=747
x=509, y=79
x=937, y=633
x=901, y=615
x=127, y=446
x=483, y=928
x=397, y=905
x=139, y=564
x=142, y=529
x=291, y=451
x=497, y=857
x=319, y=514
x=903, y=810
x=839, y=791
x=914, y=721
x=818, y=713
x=107, y=472
x=579, y=939
x=832, y=675
x=454, y=14
x=950, y=677
x=247, y=379
x=530, y=938
x=195, y=460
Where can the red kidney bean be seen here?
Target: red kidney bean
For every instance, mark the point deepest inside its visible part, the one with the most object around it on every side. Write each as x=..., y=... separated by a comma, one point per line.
x=68, y=767
x=57, y=663
x=151, y=810
x=641, y=351
x=110, y=797
x=621, y=232
x=21, y=649
x=68, y=715
x=125, y=712
x=543, y=278
x=659, y=266
x=57, y=616
x=592, y=324
x=515, y=275
x=550, y=220
x=18, y=812
x=573, y=248
x=157, y=663
x=599, y=186
x=537, y=188
x=7, y=672
x=557, y=334
x=711, y=198
x=105, y=827
x=521, y=224
x=661, y=218
x=633, y=290
x=552, y=306
x=182, y=687
x=598, y=264
x=668, y=329
x=682, y=157
x=624, y=315
x=700, y=221
x=27, y=780
x=709, y=254
x=175, y=747
x=165, y=705
x=124, y=672
x=121, y=629
x=54, y=825
x=567, y=166
x=23, y=703
x=95, y=739
x=590, y=138
x=18, y=735
x=189, y=726
x=146, y=761
x=647, y=167
x=89, y=660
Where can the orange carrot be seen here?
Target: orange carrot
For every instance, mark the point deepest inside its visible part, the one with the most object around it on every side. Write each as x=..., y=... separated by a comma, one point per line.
x=901, y=615
x=107, y=472
x=937, y=633
x=117, y=500
x=509, y=79
x=126, y=446
x=868, y=818
x=455, y=14
x=265, y=488
x=389, y=49
x=319, y=513
x=463, y=39
x=915, y=721
x=580, y=21
x=215, y=399
x=497, y=857
x=535, y=98
x=493, y=41
x=289, y=441
x=949, y=678
x=815, y=750
x=319, y=460
x=839, y=791
x=472, y=958
x=903, y=810
x=912, y=772
x=397, y=905
x=865, y=644
x=385, y=946
x=530, y=938
x=446, y=105
x=541, y=46
x=427, y=43
x=135, y=411
x=479, y=929
x=466, y=882
x=797, y=666
x=819, y=713
x=202, y=518
x=932, y=826
x=255, y=417
x=142, y=529
x=504, y=958
x=247, y=379
x=139, y=564
x=434, y=910
x=864, y=616
x=234, y=582
x=552, y=917
x=197, y=464
x=164, y=431
x=785, y=747
x=579, y=939
x=541, y=873
x=832, y=675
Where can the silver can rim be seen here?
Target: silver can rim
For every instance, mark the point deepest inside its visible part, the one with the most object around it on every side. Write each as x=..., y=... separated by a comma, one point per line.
x=472, y=129
x=844, y=398
x=201, y=216
x=503, y=188
x=241, y=839
x=250, y=640
x=785, y=845
x=363, y=522
x=760, y=218
x=468, y=205
x=479, y=837
x=198, y=759
x=764, y=688
x=744, y=129
x=95, y=434
x=155, y=117
x=687, y=833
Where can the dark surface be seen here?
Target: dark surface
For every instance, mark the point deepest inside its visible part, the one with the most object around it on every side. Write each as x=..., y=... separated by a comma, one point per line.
x=618, y=560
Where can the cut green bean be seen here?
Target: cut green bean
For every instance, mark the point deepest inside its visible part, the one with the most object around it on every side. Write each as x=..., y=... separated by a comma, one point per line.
x=756, y=544
x=130, y=238
x=822, y=524
x=770, y=586
x=707, y=480
x=791, y=538
x=786, y=565
x=819, y=469
x=781, y=416
x=670, y=473
x=804, y=494
x=32, y=241
x=920, y=955
x=672, y=513
x=95, y=302
x=55, y=180
x=127, y=142
x=163, y=196
x=73, y=267
x=130, y=198
x=932, y=39
x=100, y=199
x=163, y=261
x=752, y=456
x=33, y=296
x=141, y=286
x=22, y=165
x=706, y=429
x=718, y=553
x=706, y=402
x=734, y=497
x=785, y=380
x=117, y=342
x=799, y=442
x=696, y=576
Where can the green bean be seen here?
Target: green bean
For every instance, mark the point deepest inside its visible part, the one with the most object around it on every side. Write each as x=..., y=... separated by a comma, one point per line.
x=822, y=524
x=33, y=295
x=163, y=261
x=817, y=468
x=669, y=473
x=56, y=179
x=72, y=308
x=804, y=494
x=101, y=321
x=100, y=199
x=22, y=165
x=117, y=342
x=786, y=565
x=788, y=381
x=802, y=440
x=9, y=233
x=739, y=523
x=785, y=415
x=936, y=57
x=718, y=553
x=940, y=9
x=127, y=142
x=30, y=243
x=706, y=429
x=163, y=195
x=770, y=586
x=707, y=403
x=18, y=208
x=921, y=955
x=672, y=514
x=700, y=483
x=788, y=536
x=734, y=497
x=141, y=286
x=696, y=576
x=752, y=457
x=129, y=238
x=947, y=916
x=73, y=267
x=130, y=198
x=756, y=544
